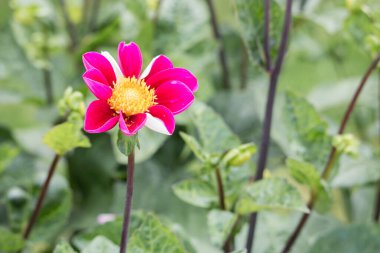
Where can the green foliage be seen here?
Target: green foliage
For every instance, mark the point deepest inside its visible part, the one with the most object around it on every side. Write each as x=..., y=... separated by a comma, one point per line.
x=270, y=194
x=352, y=238
x=147, y=234
x=196, y=192
x=64, y=247
x=215, y=136
x=251, y=16
x=101, y=245
x=307, y=131
x=194, y=145
x=9, y=241
x=220, y=224
x=8, y=153
x=66, y=137
x=153, y=237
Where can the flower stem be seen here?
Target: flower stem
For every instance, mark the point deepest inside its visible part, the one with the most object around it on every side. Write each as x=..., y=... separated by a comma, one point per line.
x=128, y=202
x=332, y=156
x=264, y=145
x=222, y=50
x=41, y=198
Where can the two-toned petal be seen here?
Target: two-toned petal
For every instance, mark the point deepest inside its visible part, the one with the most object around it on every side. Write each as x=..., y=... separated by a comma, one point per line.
x=175, y=96
x=130, y=59
x=99, y=117
x=160, y=119
x=173, y=74
x=158, y=64
x=97, y=84
x=94, y=60
x=132, y=124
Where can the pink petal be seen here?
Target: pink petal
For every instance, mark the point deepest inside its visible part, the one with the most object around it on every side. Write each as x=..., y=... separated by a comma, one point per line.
x=130, y=59
x=174, y=74
x=97, y=84
x=94, y=60
x=133, y=123
x=175, y=96
x=158, y=64
x=160, y=119
x=99, y=117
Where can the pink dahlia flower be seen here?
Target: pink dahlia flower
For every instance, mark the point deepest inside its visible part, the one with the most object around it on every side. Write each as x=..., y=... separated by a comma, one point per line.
x=132, y=98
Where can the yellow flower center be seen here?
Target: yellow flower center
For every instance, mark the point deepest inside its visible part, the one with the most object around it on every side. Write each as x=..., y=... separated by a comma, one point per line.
x=131, y=96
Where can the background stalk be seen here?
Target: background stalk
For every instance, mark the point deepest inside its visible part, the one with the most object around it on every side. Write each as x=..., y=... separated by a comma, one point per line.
x=265, y=137
x=332, y=156
x=41, y=198
x=128, y=202
x=222, y=51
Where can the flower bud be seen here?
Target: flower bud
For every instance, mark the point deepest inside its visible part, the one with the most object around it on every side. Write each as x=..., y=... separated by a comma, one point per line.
x=346, y=144
x=239, y=155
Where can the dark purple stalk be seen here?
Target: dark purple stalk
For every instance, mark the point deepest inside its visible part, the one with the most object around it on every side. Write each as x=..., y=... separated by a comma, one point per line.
x=332, y=156
x=264, y=145
x=266, y=35
x=48, y=86
x=41, y=198
x=128, y=202
x=222, y=50
x=219, y=182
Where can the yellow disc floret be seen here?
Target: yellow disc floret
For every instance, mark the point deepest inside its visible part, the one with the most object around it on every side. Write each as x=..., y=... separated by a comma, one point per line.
x=131, y=96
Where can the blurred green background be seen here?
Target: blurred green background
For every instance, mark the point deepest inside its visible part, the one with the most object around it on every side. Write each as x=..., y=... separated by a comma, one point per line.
x=41, y=43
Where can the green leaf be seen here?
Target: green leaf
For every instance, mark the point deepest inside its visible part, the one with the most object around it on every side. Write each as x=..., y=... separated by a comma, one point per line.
x=194, y=145
x=356, y=173
x=239, y=155
x=215, y=135
x=251, y=16
x=64, y=247
x=127, y=144
x=9, y=241
x=220, y=224
x=304, y=173
x=65, y=137
x=101, y=245
x=270, y=194
x=8, y=153
x=153, y=237
x=307, y=131
x=363, y=238
x=196, y=192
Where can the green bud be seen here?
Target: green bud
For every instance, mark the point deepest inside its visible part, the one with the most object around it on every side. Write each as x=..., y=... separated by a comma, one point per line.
x=239, y=155
x=346, y=144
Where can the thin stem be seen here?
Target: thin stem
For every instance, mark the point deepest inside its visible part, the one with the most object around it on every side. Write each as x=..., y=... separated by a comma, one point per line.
x=218, y=37
x=69, y=26
x=48, y=85
x=332, y=156
x=93, y=15
x=128, y=202
x=219, y=182
x=264, y=145
x=266, y=35
x=41, y=198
